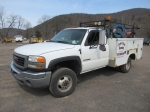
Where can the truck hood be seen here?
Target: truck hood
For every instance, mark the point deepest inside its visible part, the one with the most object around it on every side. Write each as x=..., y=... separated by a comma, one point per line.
x=40, y=48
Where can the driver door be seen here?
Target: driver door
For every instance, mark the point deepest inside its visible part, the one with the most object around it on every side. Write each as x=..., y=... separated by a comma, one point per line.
x=92, y=57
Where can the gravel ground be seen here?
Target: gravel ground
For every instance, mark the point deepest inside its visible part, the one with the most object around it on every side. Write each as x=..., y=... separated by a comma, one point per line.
x=102, y=90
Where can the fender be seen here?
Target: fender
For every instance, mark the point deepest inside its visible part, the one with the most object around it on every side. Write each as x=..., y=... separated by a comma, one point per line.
x=62, y=59
x=133, y=56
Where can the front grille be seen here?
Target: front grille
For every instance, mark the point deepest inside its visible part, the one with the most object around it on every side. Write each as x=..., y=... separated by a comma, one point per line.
x=19, y=60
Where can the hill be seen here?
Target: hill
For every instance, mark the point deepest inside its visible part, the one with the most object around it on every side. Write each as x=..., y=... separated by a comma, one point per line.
x=139, y=16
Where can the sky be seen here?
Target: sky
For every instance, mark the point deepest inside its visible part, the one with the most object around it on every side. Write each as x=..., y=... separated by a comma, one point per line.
x=33, y=10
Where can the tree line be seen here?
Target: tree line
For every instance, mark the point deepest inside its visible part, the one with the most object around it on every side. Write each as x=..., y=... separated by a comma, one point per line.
x=48, y=26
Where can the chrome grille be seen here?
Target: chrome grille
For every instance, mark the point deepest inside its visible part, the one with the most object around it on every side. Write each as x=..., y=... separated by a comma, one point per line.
x=19, y=60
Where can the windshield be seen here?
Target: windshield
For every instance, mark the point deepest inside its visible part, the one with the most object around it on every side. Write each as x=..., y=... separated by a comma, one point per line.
x=70, y=36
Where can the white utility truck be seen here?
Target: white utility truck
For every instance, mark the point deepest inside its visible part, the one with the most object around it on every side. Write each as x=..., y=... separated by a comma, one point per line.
x=74, y=51
x=18, y=38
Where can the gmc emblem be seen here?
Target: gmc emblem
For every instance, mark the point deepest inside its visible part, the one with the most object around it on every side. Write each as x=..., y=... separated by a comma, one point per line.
x=15, y=58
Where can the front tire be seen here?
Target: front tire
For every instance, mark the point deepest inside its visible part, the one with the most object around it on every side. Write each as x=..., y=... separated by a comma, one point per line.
x=63, y=82
x=126, y=67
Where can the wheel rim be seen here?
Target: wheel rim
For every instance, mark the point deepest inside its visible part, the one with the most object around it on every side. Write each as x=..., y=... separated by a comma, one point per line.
x=128, y=65
x=64, y=83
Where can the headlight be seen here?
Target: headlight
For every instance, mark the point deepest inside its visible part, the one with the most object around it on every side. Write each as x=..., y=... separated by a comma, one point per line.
x=36, y=62
x=39, y=59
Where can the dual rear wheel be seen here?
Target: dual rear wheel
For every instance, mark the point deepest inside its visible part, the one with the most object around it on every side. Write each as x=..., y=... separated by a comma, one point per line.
x=126, y=67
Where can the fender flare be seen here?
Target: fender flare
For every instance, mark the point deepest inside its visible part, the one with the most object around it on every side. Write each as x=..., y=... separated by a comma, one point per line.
x=62, y=59
x=119, y=26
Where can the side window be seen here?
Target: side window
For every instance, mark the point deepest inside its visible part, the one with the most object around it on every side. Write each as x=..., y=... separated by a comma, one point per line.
x=93, y=38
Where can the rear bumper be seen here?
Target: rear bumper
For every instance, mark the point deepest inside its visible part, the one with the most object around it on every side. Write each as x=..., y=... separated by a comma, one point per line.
x=31, y=79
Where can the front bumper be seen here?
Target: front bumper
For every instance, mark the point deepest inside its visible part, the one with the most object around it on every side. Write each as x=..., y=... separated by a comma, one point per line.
x=31, y=79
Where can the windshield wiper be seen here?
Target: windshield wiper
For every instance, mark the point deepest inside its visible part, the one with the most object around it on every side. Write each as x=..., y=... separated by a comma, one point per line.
x=62, y=41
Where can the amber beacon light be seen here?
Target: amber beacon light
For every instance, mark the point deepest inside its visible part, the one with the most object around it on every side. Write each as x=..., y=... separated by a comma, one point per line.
x=108, y=18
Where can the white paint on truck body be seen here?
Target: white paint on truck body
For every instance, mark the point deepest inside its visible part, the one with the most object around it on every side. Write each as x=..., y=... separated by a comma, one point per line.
x=117, y=51
x=121, y=48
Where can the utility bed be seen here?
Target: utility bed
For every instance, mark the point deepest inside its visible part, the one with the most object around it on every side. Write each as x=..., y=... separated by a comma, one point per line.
x=121, y=48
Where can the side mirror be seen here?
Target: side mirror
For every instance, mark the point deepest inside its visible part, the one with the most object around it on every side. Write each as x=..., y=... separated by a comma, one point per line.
x=102, y=37
x=102, y=40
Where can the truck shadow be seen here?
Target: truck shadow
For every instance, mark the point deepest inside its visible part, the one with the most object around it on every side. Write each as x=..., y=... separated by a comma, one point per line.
x=36, y=91
x=107, y=71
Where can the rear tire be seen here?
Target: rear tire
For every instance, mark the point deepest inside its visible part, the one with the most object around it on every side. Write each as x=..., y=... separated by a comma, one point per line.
x=126, y=67
x=63, y=82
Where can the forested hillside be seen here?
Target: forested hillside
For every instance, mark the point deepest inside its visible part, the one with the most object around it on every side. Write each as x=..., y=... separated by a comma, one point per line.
x=139, y=16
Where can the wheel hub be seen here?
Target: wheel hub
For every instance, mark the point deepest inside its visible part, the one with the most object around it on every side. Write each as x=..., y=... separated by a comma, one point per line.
x=64, y=83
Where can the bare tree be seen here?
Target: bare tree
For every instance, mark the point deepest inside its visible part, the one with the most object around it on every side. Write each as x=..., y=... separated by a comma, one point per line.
x=11, y=22
x=20, y=23
x=2, y=20
x=6, y=23
x=44, y=20
x=27, y=27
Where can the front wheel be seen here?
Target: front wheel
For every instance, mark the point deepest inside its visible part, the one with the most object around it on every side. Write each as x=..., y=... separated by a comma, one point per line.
x=63, y=82
x=126, y=67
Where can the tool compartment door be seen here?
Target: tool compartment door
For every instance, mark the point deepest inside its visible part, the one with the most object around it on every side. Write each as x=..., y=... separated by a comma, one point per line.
x=122, y=48
x=121, y=54
x=117, y=52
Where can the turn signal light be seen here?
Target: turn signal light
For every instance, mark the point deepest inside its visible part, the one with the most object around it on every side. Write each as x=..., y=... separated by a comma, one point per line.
x=39, y=66
x=41, y=59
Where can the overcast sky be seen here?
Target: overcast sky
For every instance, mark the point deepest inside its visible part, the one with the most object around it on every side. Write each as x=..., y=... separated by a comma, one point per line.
x=33, y=10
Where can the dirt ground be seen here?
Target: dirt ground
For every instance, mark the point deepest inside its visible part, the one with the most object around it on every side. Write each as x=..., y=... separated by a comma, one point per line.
x=102, y=90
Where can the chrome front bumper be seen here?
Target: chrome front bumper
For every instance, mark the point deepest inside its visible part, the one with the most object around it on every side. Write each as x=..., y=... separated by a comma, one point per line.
x=31, y=79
